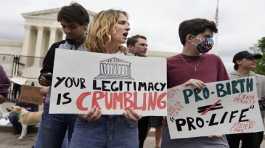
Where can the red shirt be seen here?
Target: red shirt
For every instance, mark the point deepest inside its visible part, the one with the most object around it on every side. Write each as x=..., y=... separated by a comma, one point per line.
x=207, y=68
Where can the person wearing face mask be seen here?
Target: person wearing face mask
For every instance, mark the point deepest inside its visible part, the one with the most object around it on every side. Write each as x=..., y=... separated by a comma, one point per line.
x=74, y=20
x=191, y=67
x=107, y=32
x=244, y=65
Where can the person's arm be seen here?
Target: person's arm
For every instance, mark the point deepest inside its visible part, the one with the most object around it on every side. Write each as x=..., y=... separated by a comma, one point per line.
x=222, y=73
x=195, y=83
x=45, y=77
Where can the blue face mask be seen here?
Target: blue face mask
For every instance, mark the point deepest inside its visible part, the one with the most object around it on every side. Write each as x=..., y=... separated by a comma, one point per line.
x=205, y=45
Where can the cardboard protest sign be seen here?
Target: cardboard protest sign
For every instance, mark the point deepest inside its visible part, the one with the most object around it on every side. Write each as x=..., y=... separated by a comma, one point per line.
x=30, y=94
x=224, y=107
x=112, y=82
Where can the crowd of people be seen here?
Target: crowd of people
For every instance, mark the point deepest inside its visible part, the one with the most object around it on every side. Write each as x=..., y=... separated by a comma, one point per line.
x=107, y=33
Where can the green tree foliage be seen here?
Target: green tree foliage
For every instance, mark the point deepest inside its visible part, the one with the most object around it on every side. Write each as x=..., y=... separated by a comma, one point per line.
x=261, y=44
x=261, y=63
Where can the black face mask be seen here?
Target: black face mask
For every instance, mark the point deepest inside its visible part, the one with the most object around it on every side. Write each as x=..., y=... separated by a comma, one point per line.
x=206, y=45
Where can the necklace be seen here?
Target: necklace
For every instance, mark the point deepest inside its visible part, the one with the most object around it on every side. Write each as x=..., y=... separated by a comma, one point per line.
x=194, y=66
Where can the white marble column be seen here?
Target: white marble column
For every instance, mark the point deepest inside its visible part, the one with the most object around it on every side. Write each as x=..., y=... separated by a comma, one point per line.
x=60, y=35
x=39, y=42
x=52, y=36
x=64, y=36
x=32, y=65
x=27, y=40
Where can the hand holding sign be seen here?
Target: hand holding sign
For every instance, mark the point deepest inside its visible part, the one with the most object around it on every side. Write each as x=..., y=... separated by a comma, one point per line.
x=132, y=115
x=195, y=83
x=92, y=115
x=45, y=79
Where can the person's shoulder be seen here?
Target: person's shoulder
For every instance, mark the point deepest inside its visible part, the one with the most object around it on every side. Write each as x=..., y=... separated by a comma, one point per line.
x=174, y=61
x=260, y=79
x=234, y=74
x=211, y=55
x=173, y=58
x=260, y=76
x=1, y=69
x=57, y=44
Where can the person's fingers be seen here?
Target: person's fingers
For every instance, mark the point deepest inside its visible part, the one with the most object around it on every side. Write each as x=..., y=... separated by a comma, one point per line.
x=87, y=116
x=135, y=114
x=188, y=83
x=83, y=116
x=96, y=115
x=198, y=84
x=91, y=112
x=132, y=115
x=125, y=114
x=202, y=84
x=195, y=83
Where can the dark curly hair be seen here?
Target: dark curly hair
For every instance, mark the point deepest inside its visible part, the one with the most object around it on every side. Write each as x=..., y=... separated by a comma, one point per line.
x=195, y=27
x=74, y=13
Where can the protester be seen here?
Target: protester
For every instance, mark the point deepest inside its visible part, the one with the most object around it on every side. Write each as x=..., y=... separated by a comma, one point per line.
x=191, y=67
x=74, y=20
x=107, y=33
x=244, y=64
x=137, y=46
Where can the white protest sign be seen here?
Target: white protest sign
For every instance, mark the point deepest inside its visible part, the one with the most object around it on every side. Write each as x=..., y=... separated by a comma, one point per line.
x=111, y=82
x=224, y=107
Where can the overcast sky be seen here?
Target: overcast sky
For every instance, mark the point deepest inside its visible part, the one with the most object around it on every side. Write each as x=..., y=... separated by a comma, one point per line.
x=241, y=22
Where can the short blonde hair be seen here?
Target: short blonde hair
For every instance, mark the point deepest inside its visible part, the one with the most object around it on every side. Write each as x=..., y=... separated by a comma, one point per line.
x=99, y=32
